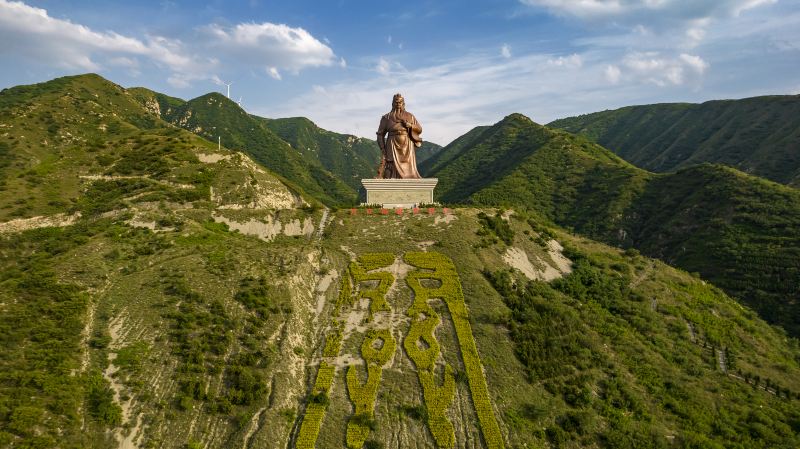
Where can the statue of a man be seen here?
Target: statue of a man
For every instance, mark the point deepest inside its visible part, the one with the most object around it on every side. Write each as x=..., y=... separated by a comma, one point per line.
x=398, y=151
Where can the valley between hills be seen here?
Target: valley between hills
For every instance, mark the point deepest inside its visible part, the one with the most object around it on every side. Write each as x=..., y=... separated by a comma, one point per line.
x=159, y=291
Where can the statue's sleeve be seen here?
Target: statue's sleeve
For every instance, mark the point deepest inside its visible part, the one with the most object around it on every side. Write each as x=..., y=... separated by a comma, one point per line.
x=416, y=130
x=382, y=127
x=417, y=126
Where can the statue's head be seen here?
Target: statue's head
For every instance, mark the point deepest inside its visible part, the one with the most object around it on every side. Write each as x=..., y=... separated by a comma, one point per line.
x=398, y=102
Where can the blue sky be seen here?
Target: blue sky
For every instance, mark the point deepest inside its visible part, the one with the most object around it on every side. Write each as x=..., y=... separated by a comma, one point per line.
x=458, y=63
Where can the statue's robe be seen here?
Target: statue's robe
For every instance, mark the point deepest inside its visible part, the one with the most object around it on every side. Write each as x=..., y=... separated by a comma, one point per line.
x=401, y=145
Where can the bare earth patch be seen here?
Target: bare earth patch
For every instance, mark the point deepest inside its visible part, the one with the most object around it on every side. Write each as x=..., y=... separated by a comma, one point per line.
x=212, y=158
x=556, y=252
x=52, y=221
x=539, y=269
x=263, y=230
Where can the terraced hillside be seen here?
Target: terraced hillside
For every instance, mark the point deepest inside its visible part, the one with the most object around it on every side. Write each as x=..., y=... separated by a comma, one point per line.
x=738, y=231
x=757, y=135
x=221, y=312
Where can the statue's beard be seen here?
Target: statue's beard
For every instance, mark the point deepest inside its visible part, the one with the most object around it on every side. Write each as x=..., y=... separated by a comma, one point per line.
x=398, y=108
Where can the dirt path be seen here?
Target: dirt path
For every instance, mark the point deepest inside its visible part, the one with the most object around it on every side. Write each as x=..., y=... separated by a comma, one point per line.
x=646, y=272
x=157, y=181
x=692, y=334
x=722, y=360
x=322, y=223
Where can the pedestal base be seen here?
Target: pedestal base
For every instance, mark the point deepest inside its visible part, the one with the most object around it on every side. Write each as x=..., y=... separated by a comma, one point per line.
x=399, y=192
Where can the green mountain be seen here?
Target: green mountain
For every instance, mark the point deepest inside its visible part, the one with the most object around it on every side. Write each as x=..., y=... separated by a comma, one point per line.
x=439, y=160
x=427, y=151
x=183, y=296
x=85, y=145
x=738, y=231
x=214, y=117
x=350, y=158
x=757, y=135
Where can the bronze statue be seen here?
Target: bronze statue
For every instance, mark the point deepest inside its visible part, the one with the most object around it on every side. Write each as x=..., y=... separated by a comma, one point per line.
x=398, y=152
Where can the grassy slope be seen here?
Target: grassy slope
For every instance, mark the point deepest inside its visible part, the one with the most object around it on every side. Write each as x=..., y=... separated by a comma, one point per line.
x=756, y=135
x=610, y=368
x=617, y=370
x=739, y=231
x=734, y=229
x=62, y=287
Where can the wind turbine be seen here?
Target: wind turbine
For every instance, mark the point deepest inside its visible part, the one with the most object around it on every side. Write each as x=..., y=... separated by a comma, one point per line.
x=229, y=88
x=240, y=102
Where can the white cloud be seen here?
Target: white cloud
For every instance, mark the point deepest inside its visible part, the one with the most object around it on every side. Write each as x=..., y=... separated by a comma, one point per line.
x=270, y=45
x=696, y=34
x=687, y=18
x=695, y=62
x=383, y=66
x=572, y=61
x=454, y=96
x=505, y=51
x=30, y=32
x=274, y=73
x=655, y=9
x=613, y=74
x=387, y=67
x=655, y=68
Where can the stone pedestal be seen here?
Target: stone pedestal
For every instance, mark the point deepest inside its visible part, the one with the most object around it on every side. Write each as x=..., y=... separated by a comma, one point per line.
x=399, y=192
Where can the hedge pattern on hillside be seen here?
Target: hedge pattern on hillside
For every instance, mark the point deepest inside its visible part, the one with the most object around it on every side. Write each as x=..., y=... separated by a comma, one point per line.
x=318, y=400
x=437, y=266
x=333, y=341
x=363, y=395
x=317, y=405
x=377, y=349
x=360, y=270
x=423, y=349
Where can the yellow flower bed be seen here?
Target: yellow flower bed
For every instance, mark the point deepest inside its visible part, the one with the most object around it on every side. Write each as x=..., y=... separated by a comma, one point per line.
x=437, y=398
x=315, y=411
x=377, y=295
x=333, y=341
x=363, y=396
x=437, y=401
x=437, y=266
x=359, y=270
x=345, y=297
x=385, y=352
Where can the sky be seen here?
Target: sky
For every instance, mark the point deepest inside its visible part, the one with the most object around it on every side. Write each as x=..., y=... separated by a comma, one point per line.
x=458, y=63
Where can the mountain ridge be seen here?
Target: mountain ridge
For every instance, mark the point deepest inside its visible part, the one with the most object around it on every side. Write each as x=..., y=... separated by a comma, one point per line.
x=757, y=135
